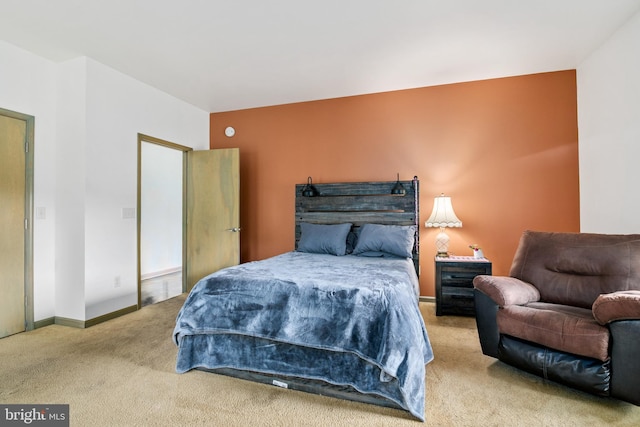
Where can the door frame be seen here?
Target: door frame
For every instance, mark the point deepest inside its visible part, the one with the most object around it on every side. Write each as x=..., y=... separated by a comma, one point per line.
x=28, y=213
x=152, y=140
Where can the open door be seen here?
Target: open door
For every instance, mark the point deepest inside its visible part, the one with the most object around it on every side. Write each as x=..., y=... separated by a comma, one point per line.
x=212, y=212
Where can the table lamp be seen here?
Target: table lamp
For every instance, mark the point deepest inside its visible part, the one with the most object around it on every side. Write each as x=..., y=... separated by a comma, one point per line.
x=443, y=216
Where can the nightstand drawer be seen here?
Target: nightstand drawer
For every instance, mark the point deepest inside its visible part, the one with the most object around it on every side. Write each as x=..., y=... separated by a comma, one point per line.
x=456, y=294
x=457, y=300
x=460, y=274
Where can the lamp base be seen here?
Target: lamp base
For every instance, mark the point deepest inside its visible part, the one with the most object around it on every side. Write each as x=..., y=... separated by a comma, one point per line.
x=442, y=244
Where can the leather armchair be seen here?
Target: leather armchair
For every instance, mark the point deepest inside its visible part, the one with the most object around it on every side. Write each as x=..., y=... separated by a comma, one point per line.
x=569, y=311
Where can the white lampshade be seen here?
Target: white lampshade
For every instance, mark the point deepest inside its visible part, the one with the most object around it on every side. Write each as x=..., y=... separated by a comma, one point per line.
x=443, y=216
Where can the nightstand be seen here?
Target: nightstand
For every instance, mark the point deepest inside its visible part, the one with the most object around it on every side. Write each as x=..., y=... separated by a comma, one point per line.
x=454, y=283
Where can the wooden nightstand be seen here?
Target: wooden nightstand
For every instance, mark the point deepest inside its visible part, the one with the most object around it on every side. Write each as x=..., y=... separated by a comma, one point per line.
x=454, y=283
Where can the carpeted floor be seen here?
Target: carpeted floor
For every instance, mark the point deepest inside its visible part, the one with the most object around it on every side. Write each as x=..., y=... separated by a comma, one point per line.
x=121, y=373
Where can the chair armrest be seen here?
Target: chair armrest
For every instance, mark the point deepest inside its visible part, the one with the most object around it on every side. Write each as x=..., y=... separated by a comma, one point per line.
x=621, y=305
x=505, y=290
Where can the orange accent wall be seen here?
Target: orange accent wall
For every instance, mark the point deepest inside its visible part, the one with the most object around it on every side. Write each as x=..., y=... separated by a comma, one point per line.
x=505, y=150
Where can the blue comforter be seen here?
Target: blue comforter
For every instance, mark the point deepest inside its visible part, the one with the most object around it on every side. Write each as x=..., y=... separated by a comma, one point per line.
x=344, y=320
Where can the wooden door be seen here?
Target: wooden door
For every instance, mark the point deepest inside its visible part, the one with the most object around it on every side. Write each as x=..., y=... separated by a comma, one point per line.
x=212, y=212
x=13, y=134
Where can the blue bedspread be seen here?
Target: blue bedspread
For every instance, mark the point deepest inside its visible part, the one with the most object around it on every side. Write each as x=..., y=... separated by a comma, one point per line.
x=344, y=320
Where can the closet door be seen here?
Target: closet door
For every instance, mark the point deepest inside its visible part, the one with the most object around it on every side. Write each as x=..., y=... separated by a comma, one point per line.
x=212, y=212
x=15, y=224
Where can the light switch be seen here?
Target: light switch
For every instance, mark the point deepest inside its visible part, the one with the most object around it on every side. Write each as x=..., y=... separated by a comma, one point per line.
x=128, y=213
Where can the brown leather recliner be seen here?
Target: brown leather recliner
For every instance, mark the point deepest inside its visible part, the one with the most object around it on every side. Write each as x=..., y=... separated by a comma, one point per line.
x=569, y=311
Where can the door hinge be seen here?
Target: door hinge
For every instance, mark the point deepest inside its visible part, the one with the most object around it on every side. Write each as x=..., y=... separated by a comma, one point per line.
x=26, y=146
x=26, y=223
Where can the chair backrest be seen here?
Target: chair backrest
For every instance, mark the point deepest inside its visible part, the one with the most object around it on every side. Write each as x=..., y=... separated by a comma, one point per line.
x=574, y=268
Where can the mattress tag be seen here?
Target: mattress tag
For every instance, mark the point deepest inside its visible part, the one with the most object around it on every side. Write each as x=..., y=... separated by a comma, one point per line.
x=280, y=384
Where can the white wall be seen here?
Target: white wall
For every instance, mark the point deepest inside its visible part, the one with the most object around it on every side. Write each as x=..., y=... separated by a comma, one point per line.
x=71, y=170
x=87, y=117
x=161, y=209
x=609, y=134
x=118, y=108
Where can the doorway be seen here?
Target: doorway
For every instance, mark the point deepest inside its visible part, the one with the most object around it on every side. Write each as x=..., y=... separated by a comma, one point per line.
x=16, y=222
x=210, y=211
x=161, y=216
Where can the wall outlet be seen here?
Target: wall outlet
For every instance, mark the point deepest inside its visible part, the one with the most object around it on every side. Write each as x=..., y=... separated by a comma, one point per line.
x=117, y=282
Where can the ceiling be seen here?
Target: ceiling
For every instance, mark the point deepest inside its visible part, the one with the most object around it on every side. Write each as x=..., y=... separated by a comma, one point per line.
x=234, y=54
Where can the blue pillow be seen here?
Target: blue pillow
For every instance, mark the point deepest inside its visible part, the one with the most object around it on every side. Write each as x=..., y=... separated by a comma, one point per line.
x=382, y=240
x=323, y=238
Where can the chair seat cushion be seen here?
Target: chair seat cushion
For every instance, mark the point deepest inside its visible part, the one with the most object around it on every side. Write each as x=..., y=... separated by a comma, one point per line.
x=560, y=327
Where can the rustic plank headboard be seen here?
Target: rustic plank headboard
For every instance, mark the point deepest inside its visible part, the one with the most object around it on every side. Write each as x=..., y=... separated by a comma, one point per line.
x=361, y=203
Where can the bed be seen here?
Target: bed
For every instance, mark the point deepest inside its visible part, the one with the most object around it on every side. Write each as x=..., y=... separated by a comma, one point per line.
x=338, y=316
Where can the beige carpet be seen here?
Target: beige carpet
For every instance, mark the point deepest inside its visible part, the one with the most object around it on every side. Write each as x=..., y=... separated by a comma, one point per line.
x=121, y=373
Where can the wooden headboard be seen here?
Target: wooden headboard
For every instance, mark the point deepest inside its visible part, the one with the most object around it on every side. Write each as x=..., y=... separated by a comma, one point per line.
x=361, y=203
